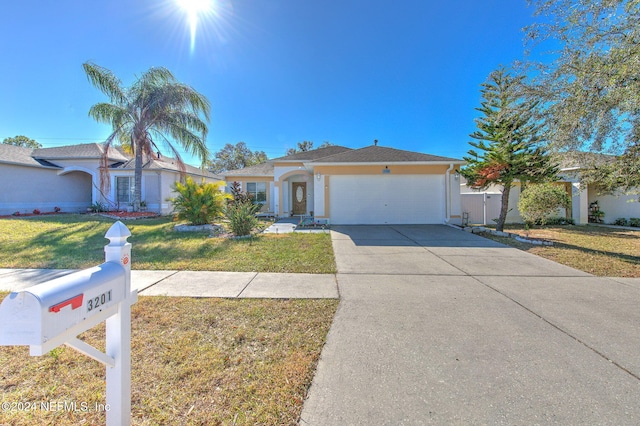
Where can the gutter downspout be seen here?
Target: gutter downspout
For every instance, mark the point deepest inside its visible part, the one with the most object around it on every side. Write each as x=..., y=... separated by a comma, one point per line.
x=159, y=173
x=447, y=194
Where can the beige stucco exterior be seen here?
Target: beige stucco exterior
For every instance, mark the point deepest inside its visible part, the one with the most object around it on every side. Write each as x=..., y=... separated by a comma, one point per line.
x=318, y=179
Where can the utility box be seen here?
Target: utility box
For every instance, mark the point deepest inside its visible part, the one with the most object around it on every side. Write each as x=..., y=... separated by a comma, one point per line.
x=38, y=314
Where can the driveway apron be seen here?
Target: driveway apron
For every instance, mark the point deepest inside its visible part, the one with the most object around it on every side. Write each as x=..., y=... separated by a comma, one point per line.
x=439, y=326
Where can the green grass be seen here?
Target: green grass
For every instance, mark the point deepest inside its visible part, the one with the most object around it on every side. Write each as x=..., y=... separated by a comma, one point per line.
x=194, y=361
x=601, y=251
x=77, y=241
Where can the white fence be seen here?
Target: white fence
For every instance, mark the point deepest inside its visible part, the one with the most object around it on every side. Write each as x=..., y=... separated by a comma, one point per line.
x=481, y=207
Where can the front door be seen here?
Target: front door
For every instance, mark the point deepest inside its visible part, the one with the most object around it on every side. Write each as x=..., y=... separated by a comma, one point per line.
x=299, y=190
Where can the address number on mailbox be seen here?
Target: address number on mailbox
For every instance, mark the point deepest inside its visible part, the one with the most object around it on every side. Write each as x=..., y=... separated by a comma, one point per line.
x=96, y=302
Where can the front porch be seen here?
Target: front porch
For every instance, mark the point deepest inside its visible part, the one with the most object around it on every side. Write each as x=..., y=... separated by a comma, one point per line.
x=295, y=194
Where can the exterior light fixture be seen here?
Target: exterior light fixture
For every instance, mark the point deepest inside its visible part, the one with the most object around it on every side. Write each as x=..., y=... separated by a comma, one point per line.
x=456, y=175
x=318, y=176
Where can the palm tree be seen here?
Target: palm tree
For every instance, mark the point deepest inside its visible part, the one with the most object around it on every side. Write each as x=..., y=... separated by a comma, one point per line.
x=156, y=107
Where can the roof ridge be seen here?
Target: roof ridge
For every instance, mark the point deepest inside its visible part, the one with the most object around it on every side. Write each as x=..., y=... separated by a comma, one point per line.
x=375, y=150
x=300, y=154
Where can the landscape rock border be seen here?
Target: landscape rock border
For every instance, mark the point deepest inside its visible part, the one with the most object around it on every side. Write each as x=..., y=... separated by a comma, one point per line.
x=517, y=237
x=197, y=228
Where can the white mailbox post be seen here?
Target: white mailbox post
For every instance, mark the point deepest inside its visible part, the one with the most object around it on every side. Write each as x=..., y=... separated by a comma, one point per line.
x=53, y=313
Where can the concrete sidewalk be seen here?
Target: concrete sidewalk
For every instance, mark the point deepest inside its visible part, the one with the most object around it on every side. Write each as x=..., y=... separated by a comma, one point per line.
x=199, y=284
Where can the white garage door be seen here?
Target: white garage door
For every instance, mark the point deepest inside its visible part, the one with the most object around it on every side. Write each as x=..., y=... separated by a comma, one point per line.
x=387, y=199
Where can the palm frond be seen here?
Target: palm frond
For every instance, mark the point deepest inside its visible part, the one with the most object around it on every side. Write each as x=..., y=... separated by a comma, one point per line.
x=107, y=113
x=105, y=81
x=176, y=155
x=191, y=142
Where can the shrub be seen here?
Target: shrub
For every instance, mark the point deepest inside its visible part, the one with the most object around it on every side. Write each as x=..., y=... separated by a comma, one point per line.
x=98, y=207
x=239, y=196
x=36, y=211
x=621, y=221
x=634, y=221
x=241, y=211
x=242, y=217
x=56, y=209
x=539, y=201
x=198, y=204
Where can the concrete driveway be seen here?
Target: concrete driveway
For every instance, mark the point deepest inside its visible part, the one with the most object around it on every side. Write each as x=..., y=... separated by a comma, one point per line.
x=439, y=326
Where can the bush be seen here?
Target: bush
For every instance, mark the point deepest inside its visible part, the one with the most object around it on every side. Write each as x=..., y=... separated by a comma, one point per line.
x=242, y=217
x=36, y=211
x=621, y=221
x=634, y=221
x=239, y=196
x=241, y=211
x=539, y=201
x=98, y=207
x=198, y=204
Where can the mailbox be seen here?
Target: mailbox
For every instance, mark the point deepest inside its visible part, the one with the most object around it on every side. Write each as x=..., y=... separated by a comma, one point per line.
x=38, y=314
x=54, y=313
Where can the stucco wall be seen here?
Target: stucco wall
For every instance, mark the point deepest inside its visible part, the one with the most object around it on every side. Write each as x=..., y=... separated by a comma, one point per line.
x=615, y=207
x=27, y=188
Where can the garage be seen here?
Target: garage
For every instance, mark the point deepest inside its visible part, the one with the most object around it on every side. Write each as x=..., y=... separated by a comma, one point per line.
x=387, y=199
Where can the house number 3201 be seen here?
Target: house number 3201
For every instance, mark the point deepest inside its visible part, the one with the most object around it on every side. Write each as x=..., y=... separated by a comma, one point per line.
x=99, y=300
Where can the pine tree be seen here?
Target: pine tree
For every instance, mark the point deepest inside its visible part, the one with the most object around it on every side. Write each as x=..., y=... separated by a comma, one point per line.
x=508, y=140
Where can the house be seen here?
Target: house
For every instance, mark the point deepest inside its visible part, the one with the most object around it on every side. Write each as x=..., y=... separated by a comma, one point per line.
x=68, y=177
x=370, y=185
x=586, y=200
x=483, y=206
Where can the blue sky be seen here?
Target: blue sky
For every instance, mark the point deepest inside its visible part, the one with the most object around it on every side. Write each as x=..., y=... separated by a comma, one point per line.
x=276, y=72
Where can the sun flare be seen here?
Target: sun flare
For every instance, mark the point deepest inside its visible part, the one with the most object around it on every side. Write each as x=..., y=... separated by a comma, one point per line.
x=195, y=9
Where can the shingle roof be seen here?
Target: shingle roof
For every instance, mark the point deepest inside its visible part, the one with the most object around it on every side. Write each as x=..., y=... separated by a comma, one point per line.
x=10, y=154
x=165, y=163
x=87, y=150
x=314, y=154
x=380, y=154
x=262, y=169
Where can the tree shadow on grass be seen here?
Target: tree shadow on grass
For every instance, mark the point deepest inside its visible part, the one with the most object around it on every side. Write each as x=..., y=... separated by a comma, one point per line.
x=78, y=242
x=65, y=244
x=621, y=256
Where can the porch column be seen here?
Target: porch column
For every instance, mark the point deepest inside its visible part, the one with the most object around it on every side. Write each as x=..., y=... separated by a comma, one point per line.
x=579, y=203
x=277, y=199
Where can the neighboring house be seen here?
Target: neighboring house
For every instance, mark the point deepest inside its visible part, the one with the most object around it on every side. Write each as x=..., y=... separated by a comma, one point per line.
x=586, y=198
x=68, y=177
x=371, y=185
x=484, y=206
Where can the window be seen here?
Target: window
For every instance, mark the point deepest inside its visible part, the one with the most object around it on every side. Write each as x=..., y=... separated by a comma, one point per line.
x=124, y=189
x=258, y=190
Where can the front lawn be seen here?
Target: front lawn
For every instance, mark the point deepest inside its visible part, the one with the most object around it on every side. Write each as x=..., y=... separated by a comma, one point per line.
x=601, y=251
x=194, y=361
x=77, y=241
